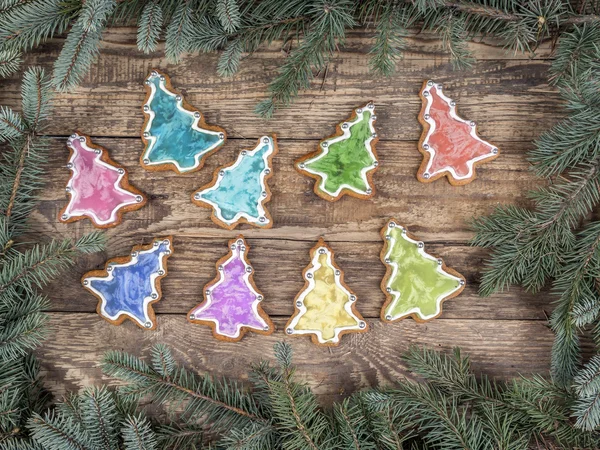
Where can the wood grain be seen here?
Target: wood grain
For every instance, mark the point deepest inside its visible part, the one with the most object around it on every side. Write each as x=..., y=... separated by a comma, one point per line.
x=435, y=211
x=506, y=94
x=502, y=348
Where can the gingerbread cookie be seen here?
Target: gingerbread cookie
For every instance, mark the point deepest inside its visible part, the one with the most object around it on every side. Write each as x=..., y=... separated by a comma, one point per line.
x=239, y=191
x=415, y=283
x=232, y=301
x=346, y=161
x=175, y=134
x=128, y=286
x=326, y=307
x=98, y=188
x=449, y=144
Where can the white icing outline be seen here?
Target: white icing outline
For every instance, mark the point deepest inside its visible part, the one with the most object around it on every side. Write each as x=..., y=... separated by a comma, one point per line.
x=394, y=266
x=260, y=207
x=97, y=158
x=153, y=277
x=311, y=285
x=152, y=139
x=346, y=134
x=208, y=298
x=470, y=163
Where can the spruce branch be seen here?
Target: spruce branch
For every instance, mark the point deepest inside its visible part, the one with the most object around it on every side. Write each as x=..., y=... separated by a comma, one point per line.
x=149, y=27
x=228, y=13
x=10, y=60
x=329, y=21
x=138, y=434
x=57, y=432
x=179, y=29
x=37, y=266
x=576, y=287
x=180, y=436
x=389, y=40
x=81, y=46
x=301, y=423
x=221, y=403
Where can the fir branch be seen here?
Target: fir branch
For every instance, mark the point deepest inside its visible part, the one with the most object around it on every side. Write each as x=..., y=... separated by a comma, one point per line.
x=11, y=125
x=138, y=434
x=351, y=429
x=222, y=404
x=228, y=13
x=37, y=266
x=229, y=62
x=36, y=93
x=81, y=47
x=581, y=268
x=26, y=24
x=328, y=30
x=23, y=326
x=587, y=387
x=389, y=41
x=10, y=60
x=57, y=432
x=295, y=408
x=178, y=31
x=578, y=51
x=180, y=437
x=149, y=27
x=99, y=416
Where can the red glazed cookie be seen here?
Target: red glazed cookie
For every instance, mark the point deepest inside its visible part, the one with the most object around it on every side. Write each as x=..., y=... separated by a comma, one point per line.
x=449, y=144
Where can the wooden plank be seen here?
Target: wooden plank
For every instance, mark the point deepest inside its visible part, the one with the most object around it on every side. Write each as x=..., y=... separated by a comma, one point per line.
x=501, y=349
x=278, y=268
x=506, y=96
x=435, y=212
x=419, y=45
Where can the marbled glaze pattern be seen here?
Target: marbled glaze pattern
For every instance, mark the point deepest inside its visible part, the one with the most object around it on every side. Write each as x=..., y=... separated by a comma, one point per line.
x=419, y=285
x=231, y=302
x=172, y=132
x=452, y=141
x=344, y=163
x=325, y=304
x=128, y=287
x=239, y=190
x=95, y=190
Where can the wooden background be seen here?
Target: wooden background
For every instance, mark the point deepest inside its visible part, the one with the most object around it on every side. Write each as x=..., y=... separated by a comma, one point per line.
x=508, y=95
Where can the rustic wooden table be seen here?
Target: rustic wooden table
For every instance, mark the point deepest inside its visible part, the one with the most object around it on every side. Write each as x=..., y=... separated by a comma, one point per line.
x=507, y=95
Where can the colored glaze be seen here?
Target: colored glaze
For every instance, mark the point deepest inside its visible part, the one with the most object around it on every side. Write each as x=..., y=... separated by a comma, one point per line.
x=232, y=302
x=325, y=308
x=95, y=186
x=451, y=143
x=174, y=136
x=418, y=283
x=325, y=304
x=343, y=164
x=128, y=287
x=239, y=190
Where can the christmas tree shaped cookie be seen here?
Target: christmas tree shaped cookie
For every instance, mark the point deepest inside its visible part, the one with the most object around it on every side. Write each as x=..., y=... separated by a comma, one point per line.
x=129, y=285
x=232, y=301
x=175, y=134
x=346, y=161
x=326, y=307
x=449, y=144
x=98, y=187
x=416, y=283
x=239, y=191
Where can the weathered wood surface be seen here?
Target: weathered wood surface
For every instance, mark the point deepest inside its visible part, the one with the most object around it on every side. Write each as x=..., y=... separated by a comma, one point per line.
x=498, y=348
x=507, y=95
